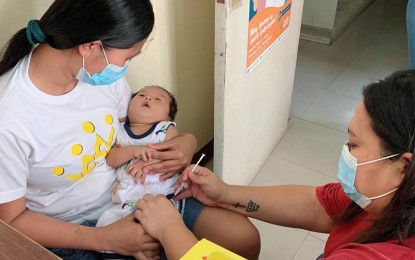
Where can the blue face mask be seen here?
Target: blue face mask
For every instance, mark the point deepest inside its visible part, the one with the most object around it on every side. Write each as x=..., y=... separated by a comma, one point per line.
x=347, y=175
x=110, y=74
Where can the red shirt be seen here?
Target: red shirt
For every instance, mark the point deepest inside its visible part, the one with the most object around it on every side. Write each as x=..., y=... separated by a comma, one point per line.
x=340, y=242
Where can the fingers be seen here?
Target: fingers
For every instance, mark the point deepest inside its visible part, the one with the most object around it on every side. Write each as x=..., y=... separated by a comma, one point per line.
x=140, y=256
x=149, y=154
x=129, y=217
x=191, y=169
x=163, y=166
x=153, y=254
x=147, y=197
x=135, y=171
x=141, y=203
x=168, y=155
x=177, y=184
x=138, y=214
x=143, y=178
x=167, y=175
x=132, y=170
x=184, y=194
x=173, y=155
x=144, y=156
x=151, y=246
x=195, y=178
x=200, y=176
x=167, y=145
x=199, y=170
x=147, y=255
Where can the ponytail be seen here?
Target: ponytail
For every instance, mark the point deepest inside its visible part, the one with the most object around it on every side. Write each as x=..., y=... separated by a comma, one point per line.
x=15, y=50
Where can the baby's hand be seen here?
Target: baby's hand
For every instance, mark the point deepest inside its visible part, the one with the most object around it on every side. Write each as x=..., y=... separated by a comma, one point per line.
x=136, y=170
x=143, y=152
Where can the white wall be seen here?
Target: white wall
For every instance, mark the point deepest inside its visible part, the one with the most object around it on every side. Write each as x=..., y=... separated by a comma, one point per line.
x=319, y=13
x=194, y=32
x=179, y=58
x=14, y=15
x=251, y=110
x=324, y=21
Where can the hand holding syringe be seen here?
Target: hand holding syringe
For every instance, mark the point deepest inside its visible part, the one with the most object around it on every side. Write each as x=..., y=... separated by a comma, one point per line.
x=181, y=187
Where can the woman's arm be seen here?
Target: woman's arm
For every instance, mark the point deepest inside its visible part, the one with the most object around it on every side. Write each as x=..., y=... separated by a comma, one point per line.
x=124, y=236
x=290, y=205
x=173, y=155
x=162, y=221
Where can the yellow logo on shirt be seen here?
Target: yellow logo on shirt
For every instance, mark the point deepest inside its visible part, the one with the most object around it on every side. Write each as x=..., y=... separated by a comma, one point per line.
x=89, y=161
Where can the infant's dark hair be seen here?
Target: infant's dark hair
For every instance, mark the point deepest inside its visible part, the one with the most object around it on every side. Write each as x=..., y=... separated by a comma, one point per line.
x=173, y=103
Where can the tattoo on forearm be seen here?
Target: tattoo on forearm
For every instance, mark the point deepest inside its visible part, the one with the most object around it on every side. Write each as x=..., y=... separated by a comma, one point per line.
x=251, y=207
x=238, y=205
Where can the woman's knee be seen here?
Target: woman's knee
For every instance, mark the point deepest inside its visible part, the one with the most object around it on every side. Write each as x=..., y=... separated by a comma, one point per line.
x=250, y=242
x=229, y=230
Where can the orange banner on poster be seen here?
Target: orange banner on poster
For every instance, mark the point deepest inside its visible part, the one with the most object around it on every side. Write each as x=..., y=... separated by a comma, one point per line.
x=267, y=26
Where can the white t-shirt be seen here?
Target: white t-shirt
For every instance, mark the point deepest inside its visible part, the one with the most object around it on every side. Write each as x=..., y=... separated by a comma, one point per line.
x=53, y=148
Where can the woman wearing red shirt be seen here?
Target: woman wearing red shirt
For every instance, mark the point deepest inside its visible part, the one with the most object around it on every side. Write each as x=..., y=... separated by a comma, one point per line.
x=370, y=213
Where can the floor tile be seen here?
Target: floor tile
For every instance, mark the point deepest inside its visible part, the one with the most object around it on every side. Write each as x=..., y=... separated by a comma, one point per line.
x=312, y=146
x=301, y=43
x=321, y=236
x=315, y=72
x=312, y=76
x=277, y=171
x=332, y=110
x=278, y=243
x=362, y=31
x=351, y=82
x=304, y=94
x=339, y=53
x=310, y=249
x=391, y=40
x=291, y=121
x=380, y=60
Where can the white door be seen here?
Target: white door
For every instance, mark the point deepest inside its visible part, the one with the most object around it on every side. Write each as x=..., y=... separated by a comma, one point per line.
x=252, y=108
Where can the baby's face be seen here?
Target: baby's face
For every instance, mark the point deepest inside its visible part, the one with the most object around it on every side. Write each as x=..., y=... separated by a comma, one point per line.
x=150, y=105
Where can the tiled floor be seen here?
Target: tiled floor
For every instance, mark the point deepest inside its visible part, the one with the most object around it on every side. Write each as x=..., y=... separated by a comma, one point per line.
x=327, y=88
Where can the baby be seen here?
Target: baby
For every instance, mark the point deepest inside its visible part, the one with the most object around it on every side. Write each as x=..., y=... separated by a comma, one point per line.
x=150, y=120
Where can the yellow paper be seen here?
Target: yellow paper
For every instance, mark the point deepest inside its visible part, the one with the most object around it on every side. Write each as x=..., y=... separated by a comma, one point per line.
x=206, y=250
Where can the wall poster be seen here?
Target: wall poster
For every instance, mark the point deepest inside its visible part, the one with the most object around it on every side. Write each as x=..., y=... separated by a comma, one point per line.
x=269, y=21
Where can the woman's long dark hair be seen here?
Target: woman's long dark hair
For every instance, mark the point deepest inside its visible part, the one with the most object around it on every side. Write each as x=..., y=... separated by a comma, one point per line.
x=390, y=104
x=67, y=23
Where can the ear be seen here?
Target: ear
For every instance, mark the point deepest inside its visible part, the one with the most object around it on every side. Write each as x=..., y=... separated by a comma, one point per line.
x=406, y=159
x=86, y=49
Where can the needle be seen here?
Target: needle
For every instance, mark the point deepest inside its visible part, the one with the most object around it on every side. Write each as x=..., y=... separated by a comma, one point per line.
x=182, y=184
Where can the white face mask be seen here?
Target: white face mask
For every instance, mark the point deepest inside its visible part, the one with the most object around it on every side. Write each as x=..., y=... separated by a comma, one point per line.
x=347, y=176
